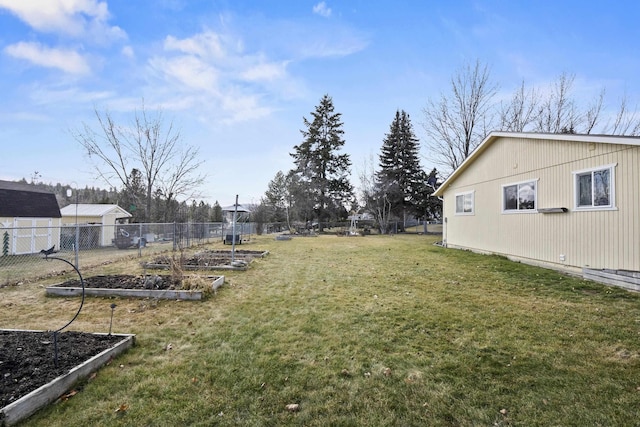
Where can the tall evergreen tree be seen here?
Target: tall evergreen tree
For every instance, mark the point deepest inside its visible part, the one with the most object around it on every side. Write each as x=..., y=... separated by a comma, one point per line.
x=216, y=213
x=319, y=163
x=276, y=197
x=400, y=176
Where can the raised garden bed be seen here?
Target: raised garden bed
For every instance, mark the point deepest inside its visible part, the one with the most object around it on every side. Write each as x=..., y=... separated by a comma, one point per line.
x=208, y=260
x=31, y=375
x=140, y=286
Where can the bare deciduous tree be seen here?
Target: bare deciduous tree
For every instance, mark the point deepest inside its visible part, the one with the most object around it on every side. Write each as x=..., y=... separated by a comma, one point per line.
x=626, y=122
x=148, y=145
x=593, y=114
x=459, y=121
x=521, y=111
x=374, y=197
x=558, y=112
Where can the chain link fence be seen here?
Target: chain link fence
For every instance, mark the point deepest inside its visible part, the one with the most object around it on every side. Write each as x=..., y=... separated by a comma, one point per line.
x=23, y=249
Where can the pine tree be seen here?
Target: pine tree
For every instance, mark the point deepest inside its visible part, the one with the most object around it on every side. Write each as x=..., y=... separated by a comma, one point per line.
x=319, y=164
x=400, y=176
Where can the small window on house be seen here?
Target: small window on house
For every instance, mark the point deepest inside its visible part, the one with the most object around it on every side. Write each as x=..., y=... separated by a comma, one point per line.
x=594, y=188
x=520, y=197
x=464, y=203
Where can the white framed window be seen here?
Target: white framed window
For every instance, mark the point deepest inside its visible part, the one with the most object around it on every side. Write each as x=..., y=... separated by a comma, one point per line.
x=465, y=203
x=520, y=197
x=594, y=189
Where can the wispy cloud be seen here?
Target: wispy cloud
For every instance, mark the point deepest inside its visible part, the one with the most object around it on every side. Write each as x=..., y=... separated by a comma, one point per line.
x=75, y=18
x=322, y=9
x=127, y=51
x=265, y=72
x=63, y=59
x=212, y=68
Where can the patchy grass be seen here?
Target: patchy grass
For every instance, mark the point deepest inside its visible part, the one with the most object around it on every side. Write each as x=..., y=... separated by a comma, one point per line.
x=375, y=330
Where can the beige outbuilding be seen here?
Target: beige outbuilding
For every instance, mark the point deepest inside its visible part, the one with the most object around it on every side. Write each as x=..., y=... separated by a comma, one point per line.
x=98, y=222
x=564, y=201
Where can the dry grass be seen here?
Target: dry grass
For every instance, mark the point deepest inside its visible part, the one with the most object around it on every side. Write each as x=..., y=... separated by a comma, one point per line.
x=374, y=330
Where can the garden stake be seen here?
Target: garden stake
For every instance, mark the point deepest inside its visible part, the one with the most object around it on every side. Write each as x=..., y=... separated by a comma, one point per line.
x=113, y=307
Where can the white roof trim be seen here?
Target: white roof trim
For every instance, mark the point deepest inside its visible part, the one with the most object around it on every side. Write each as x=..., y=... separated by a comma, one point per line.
x=86, y=209
x=571, y=137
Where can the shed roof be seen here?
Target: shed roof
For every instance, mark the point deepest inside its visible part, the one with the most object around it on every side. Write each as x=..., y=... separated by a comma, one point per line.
x=570, y=137
x=22, y=200
x=88, y=209
x=232, y=208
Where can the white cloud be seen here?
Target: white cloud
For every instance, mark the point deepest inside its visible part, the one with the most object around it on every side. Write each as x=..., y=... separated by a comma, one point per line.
x=128, y=52
x=63, y=59
x=265, y=72
x=322, y=9
x=187, y=71
x=212, y=70
x=205, y=45
x=70, y=17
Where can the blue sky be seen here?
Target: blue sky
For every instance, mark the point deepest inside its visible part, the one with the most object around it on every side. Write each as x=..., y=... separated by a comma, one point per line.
x=237, y=77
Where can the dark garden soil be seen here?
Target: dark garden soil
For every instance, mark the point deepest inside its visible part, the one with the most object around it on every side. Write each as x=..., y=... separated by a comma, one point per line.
x=208, y=258
x=196, y=260
x=27, y=359
x=125, y=281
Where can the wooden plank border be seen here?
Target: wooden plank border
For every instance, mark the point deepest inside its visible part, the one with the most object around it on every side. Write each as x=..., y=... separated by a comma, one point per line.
x=27, y=405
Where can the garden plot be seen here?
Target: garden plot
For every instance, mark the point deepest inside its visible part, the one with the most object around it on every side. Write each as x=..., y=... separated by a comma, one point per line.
x=37, y=368
x=208, y=260
x=141, y=286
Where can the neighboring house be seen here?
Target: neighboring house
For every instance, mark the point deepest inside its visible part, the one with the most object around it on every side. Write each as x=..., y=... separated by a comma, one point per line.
x=564, y=201
x=29, y=219
x=104, y=217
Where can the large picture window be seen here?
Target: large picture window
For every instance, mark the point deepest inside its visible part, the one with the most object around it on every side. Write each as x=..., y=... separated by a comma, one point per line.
x=520, y=197
x=464, y=203
x=594, y=188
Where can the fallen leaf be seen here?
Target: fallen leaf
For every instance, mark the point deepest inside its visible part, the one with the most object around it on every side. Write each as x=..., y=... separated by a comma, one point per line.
x=69, y=395
x=122, y=408
x=387, y=372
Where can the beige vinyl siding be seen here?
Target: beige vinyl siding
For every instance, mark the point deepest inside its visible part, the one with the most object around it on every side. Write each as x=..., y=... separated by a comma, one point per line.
x=597, y=239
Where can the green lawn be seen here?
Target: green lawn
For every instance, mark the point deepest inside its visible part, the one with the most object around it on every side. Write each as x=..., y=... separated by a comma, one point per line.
x=376, y=330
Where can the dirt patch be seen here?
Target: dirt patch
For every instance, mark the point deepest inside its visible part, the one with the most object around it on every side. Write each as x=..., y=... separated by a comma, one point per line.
x=27, y=359
x=125, y=281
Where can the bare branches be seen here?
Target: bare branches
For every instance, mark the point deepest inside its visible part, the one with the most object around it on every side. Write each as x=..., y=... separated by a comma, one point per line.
x=592, y=115
x=149, y=145
x=459, y=121
x=521, y=112
x=626, y=122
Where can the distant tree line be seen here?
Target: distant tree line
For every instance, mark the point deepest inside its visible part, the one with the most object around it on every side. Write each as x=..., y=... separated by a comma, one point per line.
x=174, y=211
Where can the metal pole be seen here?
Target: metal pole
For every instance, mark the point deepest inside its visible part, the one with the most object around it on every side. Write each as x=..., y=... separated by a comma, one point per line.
x=77, y=229
x=233, y=232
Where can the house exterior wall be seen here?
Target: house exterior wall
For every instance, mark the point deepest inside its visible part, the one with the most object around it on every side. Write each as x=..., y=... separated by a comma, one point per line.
x=571, y=240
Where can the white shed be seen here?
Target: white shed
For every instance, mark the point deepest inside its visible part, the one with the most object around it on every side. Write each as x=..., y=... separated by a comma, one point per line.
x=29, y=219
